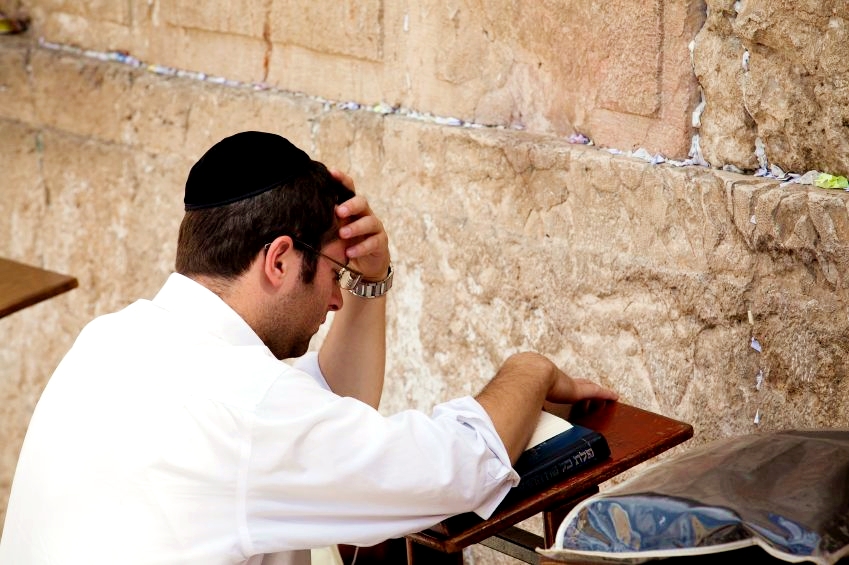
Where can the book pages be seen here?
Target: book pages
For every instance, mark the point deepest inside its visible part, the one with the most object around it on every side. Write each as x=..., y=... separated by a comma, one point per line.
x=548, y=426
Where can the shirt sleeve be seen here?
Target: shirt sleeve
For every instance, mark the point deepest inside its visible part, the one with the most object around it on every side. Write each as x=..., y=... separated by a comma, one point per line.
x=308, y=363
x=324, y=469
x=478, y=427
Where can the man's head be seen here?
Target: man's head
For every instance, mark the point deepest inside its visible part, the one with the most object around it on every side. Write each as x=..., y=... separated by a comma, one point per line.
x=246, y=190
x=254, y=202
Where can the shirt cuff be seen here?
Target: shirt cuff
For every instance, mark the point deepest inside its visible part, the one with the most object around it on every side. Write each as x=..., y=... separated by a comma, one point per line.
x=499, y=469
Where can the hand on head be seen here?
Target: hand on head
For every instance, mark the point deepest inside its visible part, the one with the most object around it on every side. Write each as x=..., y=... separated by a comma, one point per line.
x=367, y=245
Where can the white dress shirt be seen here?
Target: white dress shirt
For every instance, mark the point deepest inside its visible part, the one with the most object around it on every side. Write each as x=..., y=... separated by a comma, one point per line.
x=170, y=434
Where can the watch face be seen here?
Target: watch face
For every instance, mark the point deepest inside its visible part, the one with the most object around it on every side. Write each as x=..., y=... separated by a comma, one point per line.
x=348, y=280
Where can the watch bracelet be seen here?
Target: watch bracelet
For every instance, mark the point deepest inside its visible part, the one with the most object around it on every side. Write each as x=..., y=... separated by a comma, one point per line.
x=376, y=289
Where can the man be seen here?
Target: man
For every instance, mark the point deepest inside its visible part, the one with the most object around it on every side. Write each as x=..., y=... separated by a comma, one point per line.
x=173, y=432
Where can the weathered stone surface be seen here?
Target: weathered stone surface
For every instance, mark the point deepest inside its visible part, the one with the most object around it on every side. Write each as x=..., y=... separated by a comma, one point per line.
x=103, y=10
x=775, y=70
x=235, y=57
x=93, y=24
x=727, y=131
x=211, y=110
x=496, y=65
x=535, y=66
x=648, y=288
x=325, y=26
x=241, y=17
x=16, y=100
x=23, y=194
x=98, y=106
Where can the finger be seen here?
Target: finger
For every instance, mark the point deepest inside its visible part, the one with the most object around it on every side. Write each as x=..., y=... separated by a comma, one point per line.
x=356, y=206
x=361, y=227
x=346, y=181
x=376, y=246
x=584, y=389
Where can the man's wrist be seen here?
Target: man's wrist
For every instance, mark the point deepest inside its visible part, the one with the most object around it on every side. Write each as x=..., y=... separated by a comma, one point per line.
x=545, y=372
x=373, y=289
x=386, y=274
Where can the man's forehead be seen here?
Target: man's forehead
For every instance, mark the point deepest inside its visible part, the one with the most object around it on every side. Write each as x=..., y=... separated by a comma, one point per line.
x=335, y=248
x=333, y=234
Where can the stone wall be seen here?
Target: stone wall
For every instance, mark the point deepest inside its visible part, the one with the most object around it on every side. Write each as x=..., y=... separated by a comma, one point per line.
x=533, y=66
x=651, y=278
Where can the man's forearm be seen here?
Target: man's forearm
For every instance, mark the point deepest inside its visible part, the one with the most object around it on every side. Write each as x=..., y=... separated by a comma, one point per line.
x=514, y=398
x=353, y=355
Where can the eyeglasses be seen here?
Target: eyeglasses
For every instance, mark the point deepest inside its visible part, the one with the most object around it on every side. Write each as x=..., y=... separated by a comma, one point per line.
x=346, y=277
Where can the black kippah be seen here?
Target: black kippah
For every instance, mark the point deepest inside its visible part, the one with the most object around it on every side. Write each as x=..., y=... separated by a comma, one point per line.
x=241, y=166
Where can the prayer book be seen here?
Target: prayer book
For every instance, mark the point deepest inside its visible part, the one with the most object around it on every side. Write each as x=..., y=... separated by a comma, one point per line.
x=556, y=450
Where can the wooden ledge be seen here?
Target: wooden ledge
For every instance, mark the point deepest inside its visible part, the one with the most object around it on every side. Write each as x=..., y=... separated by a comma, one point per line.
x=23, y=285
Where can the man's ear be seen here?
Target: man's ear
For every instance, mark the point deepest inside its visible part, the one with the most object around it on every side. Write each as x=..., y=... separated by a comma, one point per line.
x=280, y=259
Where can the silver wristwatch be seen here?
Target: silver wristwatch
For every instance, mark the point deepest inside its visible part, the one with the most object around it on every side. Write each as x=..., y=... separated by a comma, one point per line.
x=373, y=289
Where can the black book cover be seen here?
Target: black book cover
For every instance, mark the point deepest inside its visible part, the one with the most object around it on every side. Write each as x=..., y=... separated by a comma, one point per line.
x=557, y=458
x=563, y=454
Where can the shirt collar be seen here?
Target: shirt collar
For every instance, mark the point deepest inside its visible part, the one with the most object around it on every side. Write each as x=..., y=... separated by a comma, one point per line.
x=200, y=306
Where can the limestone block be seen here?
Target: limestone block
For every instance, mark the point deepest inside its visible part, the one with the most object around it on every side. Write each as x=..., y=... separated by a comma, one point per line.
x=295, y=68
x=727, y=132
x=185, y=116
x=162, y=110
x=241, y=17
x=785, y=63
x=349, y=142
x=828, y=216
x=98, y=106
x=11, y=6
x=798, y=220
x=16, y=97
x=326, y=26
x=637, y=90
x=220, y=111
x=89, y=186
x=22, y=197
x=234, y=57
x=106, y=10
x=631, y=85
x=93, y=24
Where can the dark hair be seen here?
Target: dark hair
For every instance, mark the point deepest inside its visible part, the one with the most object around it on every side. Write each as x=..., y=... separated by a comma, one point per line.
x=222, y=241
